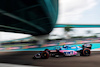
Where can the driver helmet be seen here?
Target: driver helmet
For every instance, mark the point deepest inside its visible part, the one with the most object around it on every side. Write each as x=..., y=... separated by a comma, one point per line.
x=64, y=46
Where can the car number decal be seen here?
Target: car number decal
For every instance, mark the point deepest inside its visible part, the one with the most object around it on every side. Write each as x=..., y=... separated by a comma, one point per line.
x=69, y=53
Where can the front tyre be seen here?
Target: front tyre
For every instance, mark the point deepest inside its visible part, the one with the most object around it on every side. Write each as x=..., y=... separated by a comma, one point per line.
x=45, y=55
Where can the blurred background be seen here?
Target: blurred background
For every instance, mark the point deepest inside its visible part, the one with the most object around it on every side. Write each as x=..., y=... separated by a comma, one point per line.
x=34, y=25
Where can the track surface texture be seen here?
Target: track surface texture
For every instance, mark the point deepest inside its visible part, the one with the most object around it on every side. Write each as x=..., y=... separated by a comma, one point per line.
x=25, y=58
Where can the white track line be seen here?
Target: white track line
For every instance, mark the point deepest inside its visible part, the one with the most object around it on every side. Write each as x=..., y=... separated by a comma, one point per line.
x=14, y=65
x=95, y=50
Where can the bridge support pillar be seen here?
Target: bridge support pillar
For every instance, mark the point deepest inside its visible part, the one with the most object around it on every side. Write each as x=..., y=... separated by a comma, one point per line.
x=41, y=39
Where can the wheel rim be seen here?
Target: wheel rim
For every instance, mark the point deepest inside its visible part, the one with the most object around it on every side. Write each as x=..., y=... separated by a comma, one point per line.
x=86, y=52
x=45, y=55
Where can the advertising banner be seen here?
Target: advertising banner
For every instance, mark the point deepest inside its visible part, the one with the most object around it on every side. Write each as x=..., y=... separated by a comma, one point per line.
x=70, y=43
x=46, y=45
x=27, y=47
x=2, y=48
x=96, y=41
x=13, y=48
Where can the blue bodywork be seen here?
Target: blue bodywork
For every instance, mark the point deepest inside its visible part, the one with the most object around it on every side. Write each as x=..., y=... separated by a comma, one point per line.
x=69, y=47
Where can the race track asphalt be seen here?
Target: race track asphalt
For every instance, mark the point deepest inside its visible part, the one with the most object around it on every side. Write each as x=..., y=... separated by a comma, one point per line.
x=25, y=58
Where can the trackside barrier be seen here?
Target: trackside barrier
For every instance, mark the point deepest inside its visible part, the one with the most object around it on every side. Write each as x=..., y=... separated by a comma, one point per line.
x=89, y=40
x=2, y=48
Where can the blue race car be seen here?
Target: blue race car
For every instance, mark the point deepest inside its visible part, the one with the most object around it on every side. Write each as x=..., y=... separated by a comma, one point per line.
x=66, y=50
x=72, y=50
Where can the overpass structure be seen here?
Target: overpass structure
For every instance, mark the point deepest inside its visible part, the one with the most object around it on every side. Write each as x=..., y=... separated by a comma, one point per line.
x=61, y=26
x=77, y=25
x=20, y=39
x=35, y=17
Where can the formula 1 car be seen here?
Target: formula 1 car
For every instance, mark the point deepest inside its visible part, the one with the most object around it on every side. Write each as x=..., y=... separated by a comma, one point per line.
x=66, y=50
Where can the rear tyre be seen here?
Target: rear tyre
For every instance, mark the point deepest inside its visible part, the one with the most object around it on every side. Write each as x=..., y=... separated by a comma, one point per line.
x=86, y=52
